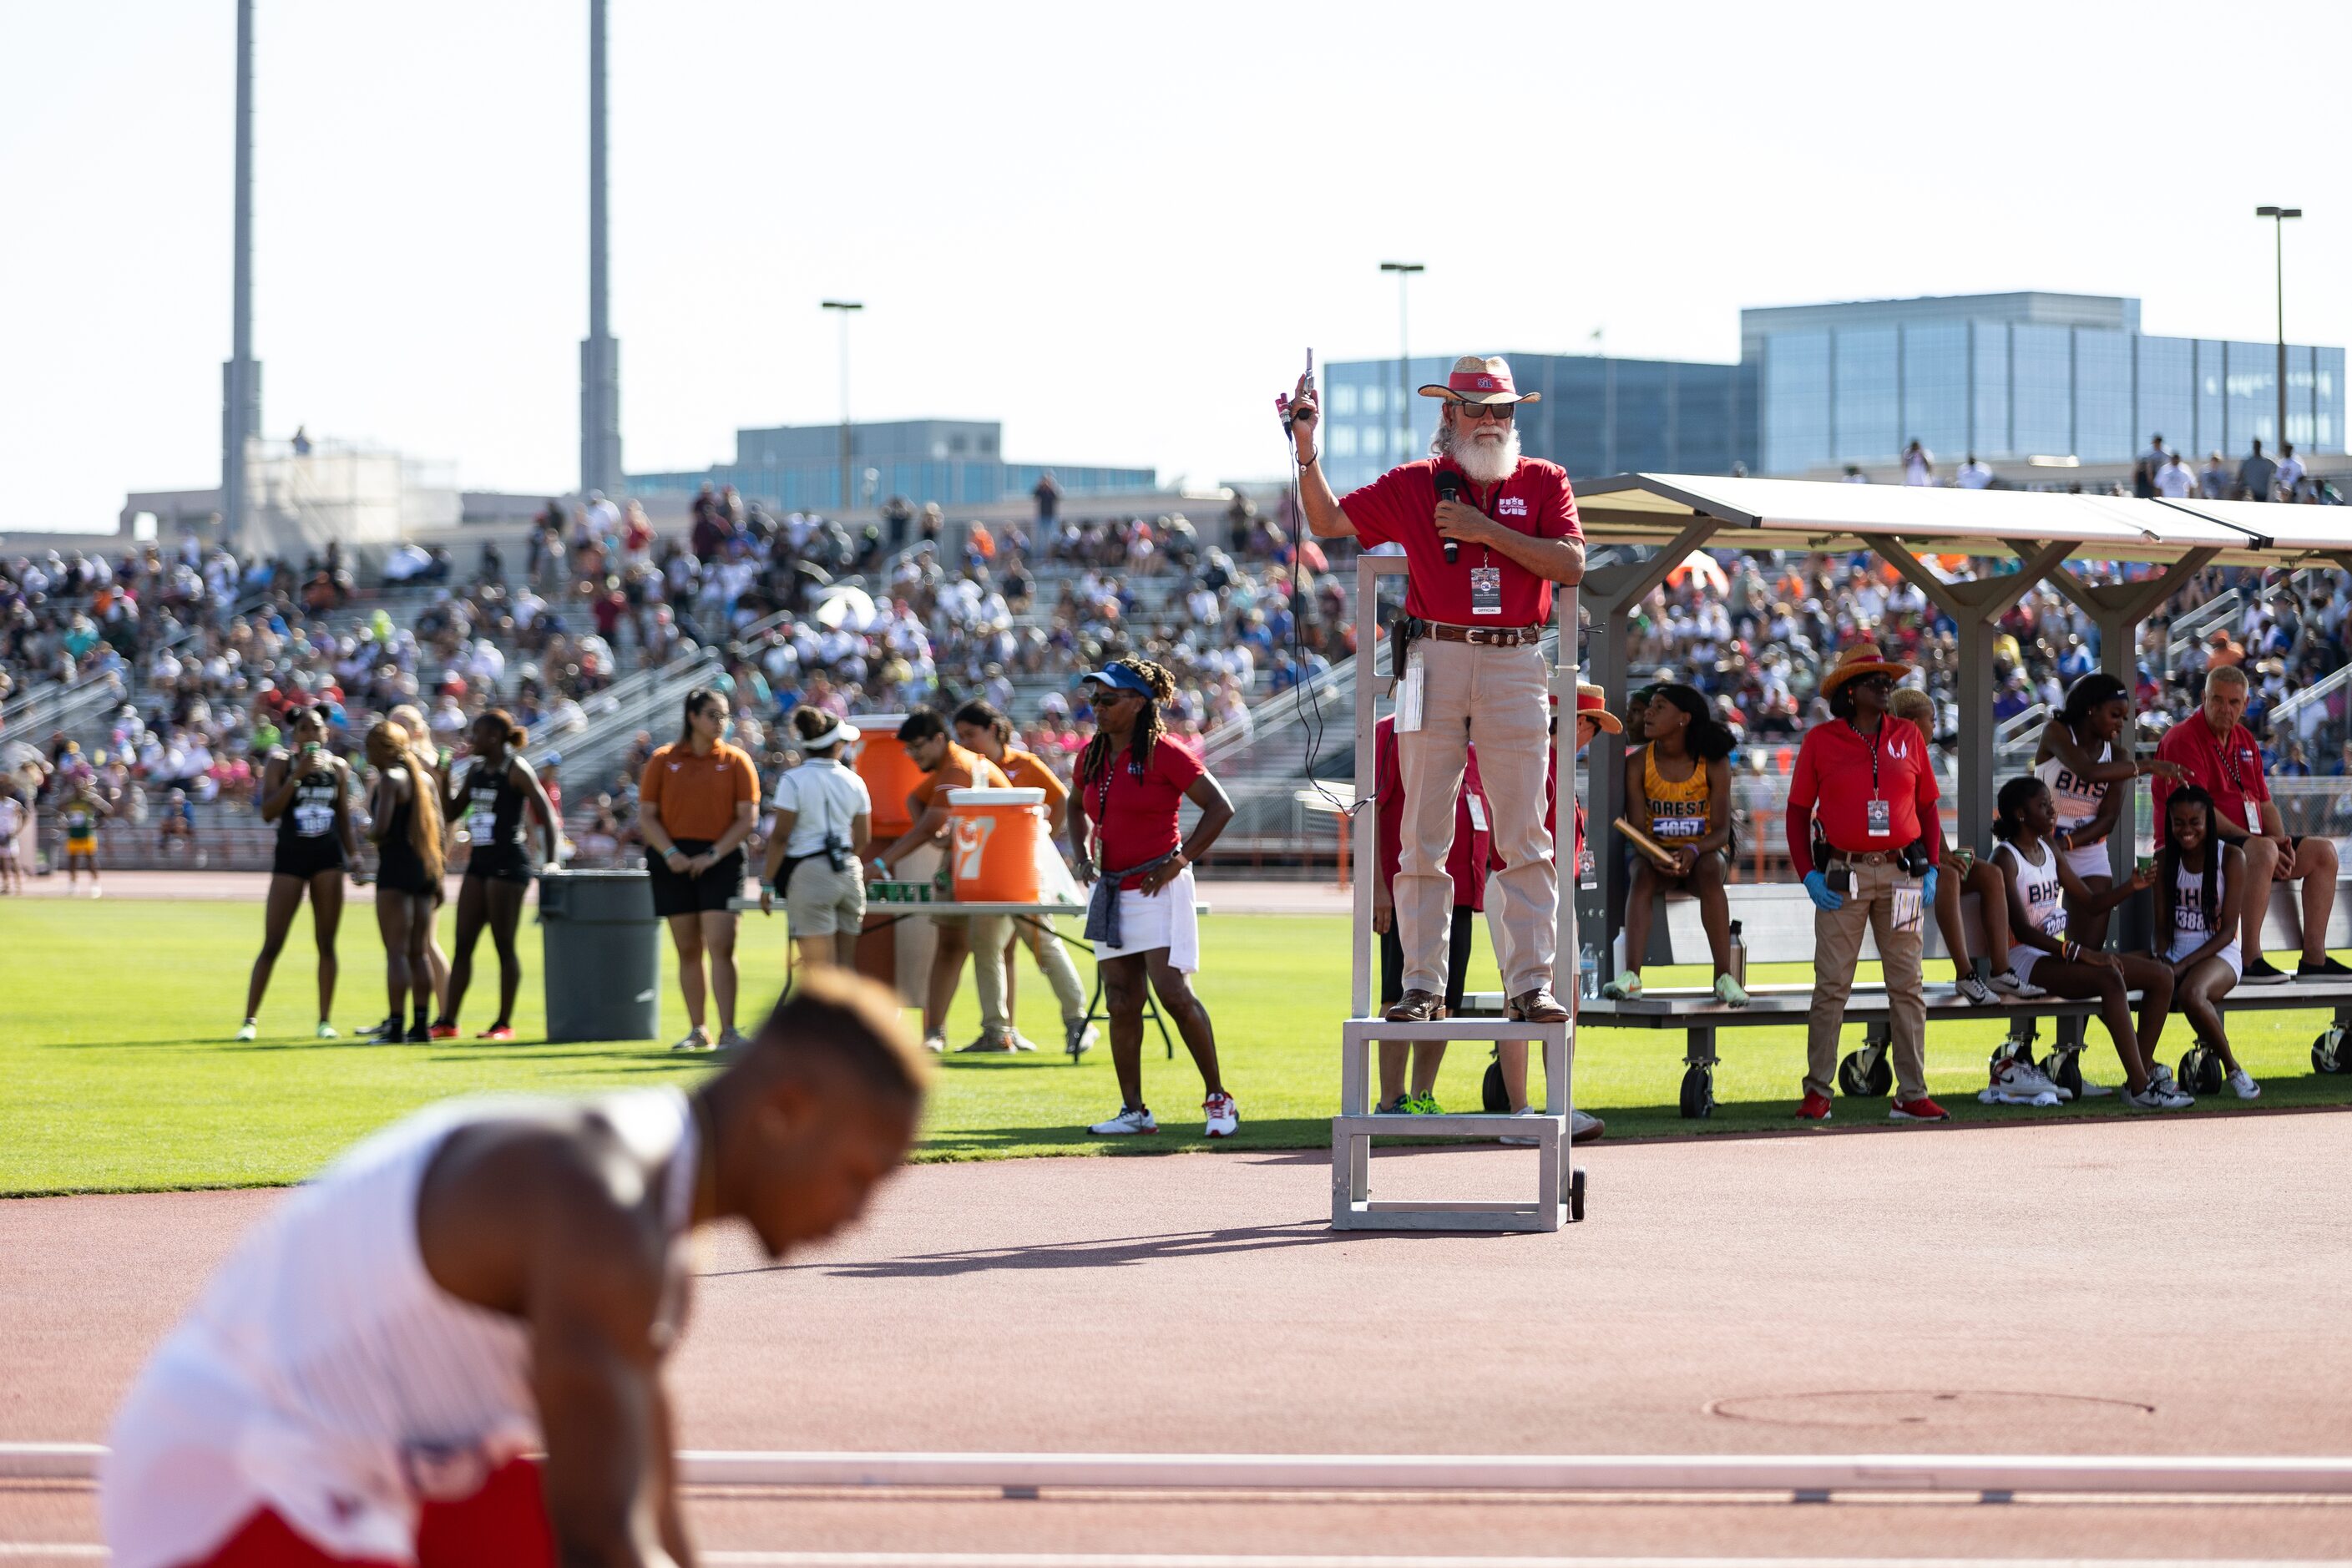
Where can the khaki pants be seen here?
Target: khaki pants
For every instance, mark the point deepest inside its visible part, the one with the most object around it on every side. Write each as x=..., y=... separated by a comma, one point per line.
x=1494, y=698
x=1837, y=948
x=993, y=937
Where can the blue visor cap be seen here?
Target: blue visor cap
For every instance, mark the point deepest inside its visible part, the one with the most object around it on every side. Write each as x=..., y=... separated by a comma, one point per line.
x=1120, y=677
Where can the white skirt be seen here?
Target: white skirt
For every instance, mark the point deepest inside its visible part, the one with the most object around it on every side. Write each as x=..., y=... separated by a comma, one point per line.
x=1166, y=918
x=2188, y=941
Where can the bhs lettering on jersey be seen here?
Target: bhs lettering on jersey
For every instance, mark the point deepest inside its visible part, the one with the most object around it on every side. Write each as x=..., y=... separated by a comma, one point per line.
x=1511, y=506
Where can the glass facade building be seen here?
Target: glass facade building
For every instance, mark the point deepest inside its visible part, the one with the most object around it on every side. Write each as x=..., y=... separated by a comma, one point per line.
x=955, y=462
x=2020, y=376
x=1599, y=415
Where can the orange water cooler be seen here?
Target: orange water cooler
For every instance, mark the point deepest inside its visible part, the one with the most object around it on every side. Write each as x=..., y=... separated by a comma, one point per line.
x=993, y=841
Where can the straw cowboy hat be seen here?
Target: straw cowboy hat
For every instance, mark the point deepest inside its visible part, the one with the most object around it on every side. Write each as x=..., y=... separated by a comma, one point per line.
x=1861, y=659
x=1476, y=380
x=1591, y=702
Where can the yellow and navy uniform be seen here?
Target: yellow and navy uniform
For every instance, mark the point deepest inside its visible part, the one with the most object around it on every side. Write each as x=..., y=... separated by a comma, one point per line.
x=1678, y=812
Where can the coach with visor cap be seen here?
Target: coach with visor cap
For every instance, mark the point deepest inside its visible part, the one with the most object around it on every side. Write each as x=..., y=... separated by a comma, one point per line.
x=1486, y=532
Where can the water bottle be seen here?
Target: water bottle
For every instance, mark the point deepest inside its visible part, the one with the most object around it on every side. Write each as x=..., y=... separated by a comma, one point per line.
x=1588, y=972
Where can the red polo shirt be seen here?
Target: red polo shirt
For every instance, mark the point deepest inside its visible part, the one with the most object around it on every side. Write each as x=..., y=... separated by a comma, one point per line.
x=2228, y=767
x=1401, y=506
x=1833, y=773
x=1466, y=864
x=1137, y=814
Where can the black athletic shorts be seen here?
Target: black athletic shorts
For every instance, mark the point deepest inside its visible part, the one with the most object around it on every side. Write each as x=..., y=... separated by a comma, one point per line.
x=306, y=857
x=676, y=893
x=1457, y=961
x=502, y=862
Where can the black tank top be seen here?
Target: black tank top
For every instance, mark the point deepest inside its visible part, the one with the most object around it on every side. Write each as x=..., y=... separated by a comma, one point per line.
x=310, y=819
x=494, y=803
x=397, y=858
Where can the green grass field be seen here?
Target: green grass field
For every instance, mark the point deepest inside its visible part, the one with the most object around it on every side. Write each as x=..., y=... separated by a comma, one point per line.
x=117, y=1072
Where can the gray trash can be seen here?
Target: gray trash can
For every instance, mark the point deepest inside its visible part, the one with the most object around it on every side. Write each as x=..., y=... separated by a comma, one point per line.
x=603, y=955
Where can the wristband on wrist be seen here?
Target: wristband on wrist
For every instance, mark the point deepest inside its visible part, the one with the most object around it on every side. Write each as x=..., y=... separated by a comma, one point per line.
x=1309, y=460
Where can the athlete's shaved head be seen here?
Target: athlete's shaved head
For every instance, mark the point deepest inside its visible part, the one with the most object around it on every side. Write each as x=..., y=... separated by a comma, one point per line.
x=837, y=1014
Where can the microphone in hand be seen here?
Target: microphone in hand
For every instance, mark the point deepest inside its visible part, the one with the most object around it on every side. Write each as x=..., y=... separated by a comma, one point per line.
x=1449, y=488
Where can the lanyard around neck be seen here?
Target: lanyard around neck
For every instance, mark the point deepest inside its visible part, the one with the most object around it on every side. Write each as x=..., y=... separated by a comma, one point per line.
x=1875, y=735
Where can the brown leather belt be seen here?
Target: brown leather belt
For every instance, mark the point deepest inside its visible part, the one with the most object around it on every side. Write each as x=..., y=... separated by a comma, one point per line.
x=1864, y=857
x=1485, y=637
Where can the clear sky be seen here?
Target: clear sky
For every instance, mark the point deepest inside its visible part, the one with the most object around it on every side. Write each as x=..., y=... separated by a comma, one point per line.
x=1115, y=228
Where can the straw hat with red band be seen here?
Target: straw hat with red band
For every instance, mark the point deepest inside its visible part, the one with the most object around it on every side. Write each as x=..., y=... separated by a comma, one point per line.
x=1863, y=658
x=1592, y=703
x=1476, y=380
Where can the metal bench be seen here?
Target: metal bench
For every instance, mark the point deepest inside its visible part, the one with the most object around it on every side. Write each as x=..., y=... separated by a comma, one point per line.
x=1777, y=926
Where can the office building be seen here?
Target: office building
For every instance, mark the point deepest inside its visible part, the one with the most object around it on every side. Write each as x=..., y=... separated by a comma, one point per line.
x=955, y=462
x=1599, y=414
x=2019, y=377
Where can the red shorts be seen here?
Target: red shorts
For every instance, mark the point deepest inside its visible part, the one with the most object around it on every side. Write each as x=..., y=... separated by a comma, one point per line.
x=504, y=1525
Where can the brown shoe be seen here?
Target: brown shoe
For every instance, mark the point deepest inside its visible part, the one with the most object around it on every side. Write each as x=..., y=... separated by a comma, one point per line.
x=1416, y=1008
x=1537, y=1006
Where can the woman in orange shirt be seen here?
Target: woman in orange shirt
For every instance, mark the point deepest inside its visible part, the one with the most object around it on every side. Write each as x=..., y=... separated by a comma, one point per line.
x=699, y=801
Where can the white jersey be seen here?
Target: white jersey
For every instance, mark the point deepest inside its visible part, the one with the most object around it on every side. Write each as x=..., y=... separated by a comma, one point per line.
x=324, y=1376
x=2192, y=922
x=2038, y=884
x=2077, y=799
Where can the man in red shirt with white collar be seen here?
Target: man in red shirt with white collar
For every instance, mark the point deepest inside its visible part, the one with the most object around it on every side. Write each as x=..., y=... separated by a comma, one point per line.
x=1486, y=532
x=2217, y=754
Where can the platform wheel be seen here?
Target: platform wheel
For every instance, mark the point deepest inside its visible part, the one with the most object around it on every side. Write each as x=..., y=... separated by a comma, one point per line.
x=1699, y=1091
x=2066, y=1071
x=2014, y=1049
x=2200, y=1071
x=1865, y=1074
x=1576, y=1194
x=2327, y=1052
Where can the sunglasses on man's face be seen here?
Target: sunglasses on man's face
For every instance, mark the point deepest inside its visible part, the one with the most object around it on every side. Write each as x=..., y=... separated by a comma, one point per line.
x=1486, y=411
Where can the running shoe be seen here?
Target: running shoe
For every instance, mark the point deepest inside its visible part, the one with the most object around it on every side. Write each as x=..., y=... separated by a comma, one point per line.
x=1401, y=1106
x=501, y=1032
x=442, y=1031
x=1920, y=1110
x=1623, y=988
x=2243, y=1086
x=731, y=1039
x=1080, y=1037
x=2263, y=972
x=2328, y=968
x=2009, y=979
x=1125, y=1124
x=696, y=1039
x=1223, y=1118
x=1521, y=1141
x=418, y=1034
x=1816, y=1108
x=325, y=1031
x=2014, y=1083
x=387, y=1032
x=1729, y=992
x=1424, y=1105
x=1975, y=992
x=1019, y=1041
x=935, y=1043
x=2159, y=1095
x=1584, y=1129
x=2158, y=1073
x=985, y=1044
x=251, y=1031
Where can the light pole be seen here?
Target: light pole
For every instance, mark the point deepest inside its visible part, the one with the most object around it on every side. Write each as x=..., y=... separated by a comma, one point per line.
x=845, y=307
x=2278, y=217
x=1404, y=271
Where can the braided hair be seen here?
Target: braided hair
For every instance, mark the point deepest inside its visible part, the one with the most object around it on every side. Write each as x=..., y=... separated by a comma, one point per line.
x=2168, y=861
x=1094, y=761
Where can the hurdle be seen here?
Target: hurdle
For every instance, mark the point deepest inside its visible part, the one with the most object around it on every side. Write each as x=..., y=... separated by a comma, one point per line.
x=1560, y=1187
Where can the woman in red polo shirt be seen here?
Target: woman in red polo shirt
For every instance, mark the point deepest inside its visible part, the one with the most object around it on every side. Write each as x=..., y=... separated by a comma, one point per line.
x=1132, y=781
x=1866, y=780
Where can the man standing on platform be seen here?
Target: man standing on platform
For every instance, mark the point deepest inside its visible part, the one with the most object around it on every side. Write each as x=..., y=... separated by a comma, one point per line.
x=1486, y=533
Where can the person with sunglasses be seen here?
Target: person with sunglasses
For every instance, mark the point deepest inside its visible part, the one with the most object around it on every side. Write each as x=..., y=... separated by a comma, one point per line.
x=1485, y=532
x=1865, y=784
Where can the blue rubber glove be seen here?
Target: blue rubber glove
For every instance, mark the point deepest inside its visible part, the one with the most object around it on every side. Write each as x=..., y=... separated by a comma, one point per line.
x=1817, y=888
x=1927, y=888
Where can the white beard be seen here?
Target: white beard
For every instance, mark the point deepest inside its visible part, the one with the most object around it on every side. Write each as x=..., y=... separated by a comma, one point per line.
x=1482, y=462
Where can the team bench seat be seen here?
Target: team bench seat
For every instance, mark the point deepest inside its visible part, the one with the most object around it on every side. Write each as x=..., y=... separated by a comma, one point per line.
x=1777, y=926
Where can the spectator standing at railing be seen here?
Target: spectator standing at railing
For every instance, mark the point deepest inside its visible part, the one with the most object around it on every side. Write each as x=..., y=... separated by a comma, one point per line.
x=2216, y=752
x=2256, y=475
x=1867, y=779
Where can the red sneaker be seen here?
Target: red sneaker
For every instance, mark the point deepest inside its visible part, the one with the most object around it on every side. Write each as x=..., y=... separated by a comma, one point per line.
x=442, y=1031
x=1920, y=1110
x=495, y=1032
x=1816, y=1108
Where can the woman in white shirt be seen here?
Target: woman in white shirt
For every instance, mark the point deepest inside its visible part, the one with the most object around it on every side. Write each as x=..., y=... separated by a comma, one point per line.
x=816, y=845
x=2199, y=890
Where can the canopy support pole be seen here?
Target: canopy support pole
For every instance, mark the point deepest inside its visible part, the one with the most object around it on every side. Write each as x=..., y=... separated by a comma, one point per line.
x=1612, y=591
x=1975, y=606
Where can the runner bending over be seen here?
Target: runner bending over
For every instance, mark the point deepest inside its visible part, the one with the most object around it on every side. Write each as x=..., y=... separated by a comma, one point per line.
x=2039, y=885
x=362, y=1382
x=2200, y=883
x=307, y=793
